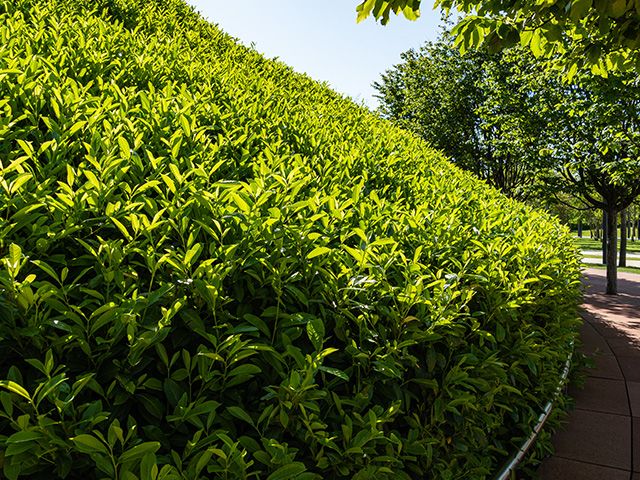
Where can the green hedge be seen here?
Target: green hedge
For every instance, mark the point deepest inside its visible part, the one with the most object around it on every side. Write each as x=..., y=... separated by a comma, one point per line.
x=214, y=267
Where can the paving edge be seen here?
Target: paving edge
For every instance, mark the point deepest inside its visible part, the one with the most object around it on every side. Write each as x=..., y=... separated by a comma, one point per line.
x=516, y=458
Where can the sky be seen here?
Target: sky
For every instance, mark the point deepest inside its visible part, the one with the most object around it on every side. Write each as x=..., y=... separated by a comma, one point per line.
x=321, y=38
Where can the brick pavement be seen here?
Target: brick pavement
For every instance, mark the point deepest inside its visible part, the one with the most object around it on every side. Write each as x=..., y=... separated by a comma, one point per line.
x=601, y=440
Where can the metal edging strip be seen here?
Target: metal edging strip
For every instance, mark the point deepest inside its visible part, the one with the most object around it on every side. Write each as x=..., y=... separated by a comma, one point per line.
x=517, y=458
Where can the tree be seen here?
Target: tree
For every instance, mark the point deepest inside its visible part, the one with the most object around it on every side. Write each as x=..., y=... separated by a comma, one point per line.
x=601, y=34
x=473, y=107
x=523, y=128
x=622, y=261
x=593, y=137
x=570, y=212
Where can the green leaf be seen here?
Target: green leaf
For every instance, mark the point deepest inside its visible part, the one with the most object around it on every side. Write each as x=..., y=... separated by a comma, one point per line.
x=184, y=123
x=12, y=470
x=7, y=403
x=93, y=180
x=26, y=147
x=427, y=382
x=334, y=371
x=246, y=369
x=175, y=149
x=16, y=448
x=121, y=227
x=240, y=414
x=315, y=332
x=77, y=126
x=536, y=43
x=203, y=461
x=316, y=252
x=617, y=8
x=14, y=259
x=240, y=202
x=211, y=355
x=125, y=149
x=46, y=268
x=359, y=255
x=258, y=323
x=500, y=333
x=580, y=9
x=89, y=444
x=19, y=181
x=25, y=436
x=139, y=451
x=15, y=388
x=192, y=255
x=44, y=389
x=364, y=9
x=288, y=472
x=148, y=467
x=410, y=13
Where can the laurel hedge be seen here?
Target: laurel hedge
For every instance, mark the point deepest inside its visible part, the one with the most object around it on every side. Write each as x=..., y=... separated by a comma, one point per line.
x=214, y=267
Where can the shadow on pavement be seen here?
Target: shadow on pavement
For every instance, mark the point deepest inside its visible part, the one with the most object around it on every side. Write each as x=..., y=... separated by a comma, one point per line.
x=620, y=314
x=600, y=440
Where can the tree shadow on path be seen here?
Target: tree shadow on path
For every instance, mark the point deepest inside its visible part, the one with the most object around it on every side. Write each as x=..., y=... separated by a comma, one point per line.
x=619, y=314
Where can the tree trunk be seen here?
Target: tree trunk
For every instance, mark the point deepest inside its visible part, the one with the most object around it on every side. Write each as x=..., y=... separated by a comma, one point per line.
x=605, y=237
x=579, y=228
x=611, y=243
x=625, y=225
x=622, y=258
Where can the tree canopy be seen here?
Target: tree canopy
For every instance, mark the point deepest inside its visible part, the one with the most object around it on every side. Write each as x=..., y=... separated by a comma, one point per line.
x=593, y=137
x=521, y=127
x=476, y=108
x=601, y=34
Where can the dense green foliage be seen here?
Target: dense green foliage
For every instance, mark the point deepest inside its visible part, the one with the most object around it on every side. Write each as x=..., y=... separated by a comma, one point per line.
x=476, y=108
x=522, y=127
x=593, y=133
x=213, y=267
x=603, y=35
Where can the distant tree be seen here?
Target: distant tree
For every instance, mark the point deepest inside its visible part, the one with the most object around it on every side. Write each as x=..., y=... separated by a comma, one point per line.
x=523, y=128
x=474, y=107
x=569, y=211
x=593, y=138
x=601, y=34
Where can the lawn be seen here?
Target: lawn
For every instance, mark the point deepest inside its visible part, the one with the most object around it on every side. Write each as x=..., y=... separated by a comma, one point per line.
x=586, y=243
x=604, y=267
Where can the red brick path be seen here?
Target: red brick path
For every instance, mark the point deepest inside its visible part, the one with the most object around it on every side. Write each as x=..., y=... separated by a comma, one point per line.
x=602, y=438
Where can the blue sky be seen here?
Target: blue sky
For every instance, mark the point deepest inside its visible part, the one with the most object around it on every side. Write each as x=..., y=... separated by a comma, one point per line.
x=322, y=39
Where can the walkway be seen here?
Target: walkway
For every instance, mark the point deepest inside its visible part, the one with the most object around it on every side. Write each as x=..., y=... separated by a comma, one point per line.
x=602, y=438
